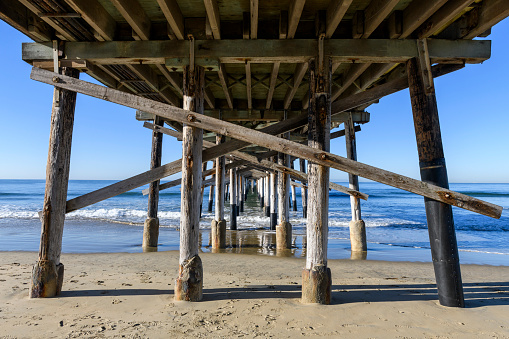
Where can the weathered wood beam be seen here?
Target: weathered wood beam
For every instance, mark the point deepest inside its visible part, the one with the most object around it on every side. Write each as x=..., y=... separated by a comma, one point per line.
x=294, y=13
x=25, y=21
x=353, y=73
x=223, y=78
x=418, y=12
x=272, y=83
x=300, y=71
x=263, y=51
x=260, y=138
x=253, y=6
x=173, y=78
x=59, y=29
x=335, y=13
x=213, y=16
x=135, y=15
x=492, y=12
x=209, y=97
x=96, y=16
x=145, y=73
x=248, y=86
x=443, y=16
x=375, y=13
x=173, y=15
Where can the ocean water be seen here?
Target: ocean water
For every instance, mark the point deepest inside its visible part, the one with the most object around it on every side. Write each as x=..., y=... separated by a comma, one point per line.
x=395, y=220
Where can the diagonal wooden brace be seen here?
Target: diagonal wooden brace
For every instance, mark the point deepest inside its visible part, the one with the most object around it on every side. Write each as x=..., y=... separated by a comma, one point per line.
x=272, y=142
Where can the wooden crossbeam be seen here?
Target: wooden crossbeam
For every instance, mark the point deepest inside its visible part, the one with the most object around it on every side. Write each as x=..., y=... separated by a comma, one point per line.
x=135, y=15
x=492, y=11
x=294, y=13
x=272, y=83
x=266, y=140
x=335, y=13
x=173, y=15
x=416, y=13
x=443, y=16
x=96, y=16
x=213, y=16
x=263, y=51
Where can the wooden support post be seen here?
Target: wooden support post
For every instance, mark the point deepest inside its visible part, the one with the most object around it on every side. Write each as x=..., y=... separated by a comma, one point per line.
x=218, y=226
x=151, y=225
x=48, y=272
x=316, y=277
x=294, y=196
x=189, y=284
x=284, y=228
x=242, y=193
x=304, y=190
x=273, y=200
x=204, y=168
x=211, y=198
x=238, y=192
x=233, y=199
x=266, y=194
x=444, y=249
x=357, y=226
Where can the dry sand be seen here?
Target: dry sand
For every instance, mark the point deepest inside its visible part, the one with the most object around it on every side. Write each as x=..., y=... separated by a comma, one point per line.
x=131, y=296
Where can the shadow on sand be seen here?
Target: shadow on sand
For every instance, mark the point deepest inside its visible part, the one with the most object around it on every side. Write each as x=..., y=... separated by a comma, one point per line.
x=476, y=294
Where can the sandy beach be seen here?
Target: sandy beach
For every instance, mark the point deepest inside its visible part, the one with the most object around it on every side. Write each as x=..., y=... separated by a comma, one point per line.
x=131, y=296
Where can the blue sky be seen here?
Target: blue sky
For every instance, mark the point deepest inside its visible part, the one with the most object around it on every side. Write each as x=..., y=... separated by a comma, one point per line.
x=108, y=142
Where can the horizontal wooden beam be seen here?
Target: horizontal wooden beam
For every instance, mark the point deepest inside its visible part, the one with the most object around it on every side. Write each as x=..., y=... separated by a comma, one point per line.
x=272, y=142
x=263, y=51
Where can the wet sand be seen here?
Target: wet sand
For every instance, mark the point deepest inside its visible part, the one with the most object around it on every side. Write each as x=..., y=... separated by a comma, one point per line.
x=130, y=295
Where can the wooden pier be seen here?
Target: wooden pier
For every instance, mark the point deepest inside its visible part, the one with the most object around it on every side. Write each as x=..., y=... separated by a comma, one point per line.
x=254, y=87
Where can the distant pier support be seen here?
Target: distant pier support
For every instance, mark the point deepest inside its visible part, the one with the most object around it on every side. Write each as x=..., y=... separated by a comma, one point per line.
x=284, y=228
x=211, y=198
x=266, y=194
x=242, y=192
x=48, y=272
x=218, y=227
x=202, y=190
x=151, y=225
x=358, y=243
x=304, y=190
x=316, y=277
x=189, y=284
x=273, y=200
x=444, y=250
x=233, y=199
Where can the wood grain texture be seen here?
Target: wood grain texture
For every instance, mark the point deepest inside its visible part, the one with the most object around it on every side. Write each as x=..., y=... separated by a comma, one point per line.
x=192, y=145
x=57, y=171
x=266, y=140
x=155, y=161
x=220, y=182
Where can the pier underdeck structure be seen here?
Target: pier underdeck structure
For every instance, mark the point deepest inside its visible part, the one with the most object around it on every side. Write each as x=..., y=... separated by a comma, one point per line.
x=254, y=86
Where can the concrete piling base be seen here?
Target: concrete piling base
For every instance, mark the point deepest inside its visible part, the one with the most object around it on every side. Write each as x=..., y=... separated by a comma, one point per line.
x=150, y=234
x=47, y=279
x=189, y=284
x=218, y=234
x=316, y=285
x=358, y=236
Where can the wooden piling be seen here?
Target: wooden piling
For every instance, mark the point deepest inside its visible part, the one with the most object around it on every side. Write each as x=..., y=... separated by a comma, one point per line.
x=189, y=284
x=239, y=193
x=266, y=194
x=218, y=226
x=242, y=193
x=48, y=272
x=202, y=190
x=357, y=226
x=211, y=198
x=304, y=190
x=233, y=199
x=273, y=200
x=444, y=249
x=151, y=224
x=284, y=228
x=316, y=277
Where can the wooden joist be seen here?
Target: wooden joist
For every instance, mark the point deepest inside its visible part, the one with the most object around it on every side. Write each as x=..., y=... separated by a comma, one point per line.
x=491, y=12
x=134, y=14
x=335, y=13
x=266, y=140
x=375, y=13
x=294, y=13
x=263, y=51
x=96, y=16
x=300, y=71
x=25, y=21
x=416, y=13
x=213, y=17
x=223, y=78
x=173, y=15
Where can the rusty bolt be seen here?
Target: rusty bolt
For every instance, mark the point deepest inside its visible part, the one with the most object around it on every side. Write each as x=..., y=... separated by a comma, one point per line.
x=447, y=195
x=323, y=156
x=56, y=79
x=191, y=118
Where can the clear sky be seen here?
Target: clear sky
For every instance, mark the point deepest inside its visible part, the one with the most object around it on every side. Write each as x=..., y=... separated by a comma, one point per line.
x=108, y=142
